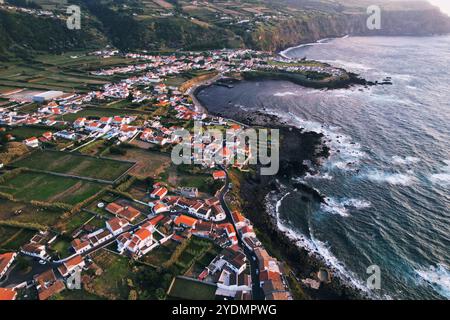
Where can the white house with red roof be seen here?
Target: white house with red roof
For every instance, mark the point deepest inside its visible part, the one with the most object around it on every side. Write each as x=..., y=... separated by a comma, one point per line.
x=71, y=266
x=81, y=246
x=136, y=244
x=159, y=193
x=117, y=225
x=32, y=142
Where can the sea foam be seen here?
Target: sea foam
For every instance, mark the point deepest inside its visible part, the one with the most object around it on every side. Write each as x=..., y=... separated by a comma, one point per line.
x=442, y=178
x=314, y=246
x=401, y=179
x=343, y=206
x=438, y=277
x=405, y=160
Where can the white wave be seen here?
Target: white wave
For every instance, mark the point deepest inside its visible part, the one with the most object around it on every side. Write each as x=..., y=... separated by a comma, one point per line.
x=437, y=277
x=349, y=65
x=284, y=53
x=342, y=207
x=324, y=176
x=345, y=154
x=315, y=247
x=404, y=160
x=284, y=94
x=391, y=178
x=442, y=178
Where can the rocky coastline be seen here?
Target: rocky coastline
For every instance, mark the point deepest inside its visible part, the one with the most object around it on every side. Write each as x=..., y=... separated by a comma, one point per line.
x=297, y=147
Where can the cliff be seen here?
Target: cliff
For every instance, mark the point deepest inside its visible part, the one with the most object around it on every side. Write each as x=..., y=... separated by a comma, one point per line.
x=321, y=25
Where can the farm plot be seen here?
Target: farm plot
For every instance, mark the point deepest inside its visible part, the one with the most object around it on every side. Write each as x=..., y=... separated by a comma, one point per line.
x=28, y=186
x=74, y=165
x=187, y=289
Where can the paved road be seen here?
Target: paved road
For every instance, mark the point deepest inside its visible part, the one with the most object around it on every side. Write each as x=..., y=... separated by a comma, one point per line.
x=251, y=257
x=198, y=107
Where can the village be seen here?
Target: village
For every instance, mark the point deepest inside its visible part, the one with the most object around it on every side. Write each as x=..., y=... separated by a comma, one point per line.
x=163, y=213
x=134, y=228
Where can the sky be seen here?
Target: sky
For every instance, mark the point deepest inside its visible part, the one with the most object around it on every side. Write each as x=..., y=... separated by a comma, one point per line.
x=443, y=4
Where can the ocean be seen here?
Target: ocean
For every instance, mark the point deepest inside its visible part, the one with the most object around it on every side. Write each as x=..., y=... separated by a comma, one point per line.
x=387, y=180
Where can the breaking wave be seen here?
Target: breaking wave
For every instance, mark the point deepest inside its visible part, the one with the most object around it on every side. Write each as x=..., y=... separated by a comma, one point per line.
x=400, y=179
x=438, y=277
x=342, y=207
x=284, y=94
x=442, y=178
x=315, y=247
x=404, y=160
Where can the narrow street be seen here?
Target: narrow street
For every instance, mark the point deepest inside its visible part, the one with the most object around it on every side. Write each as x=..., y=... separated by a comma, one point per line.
x=251, y=257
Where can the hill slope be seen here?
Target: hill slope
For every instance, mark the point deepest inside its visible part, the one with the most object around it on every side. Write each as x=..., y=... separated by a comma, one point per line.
x=175, y=24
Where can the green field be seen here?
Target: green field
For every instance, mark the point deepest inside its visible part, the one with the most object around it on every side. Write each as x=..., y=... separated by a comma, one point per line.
x=28, y=213
x=186, y=289
x=29, y=186
x=25, y=132
x=12, y=238
x=97, y=113
x=74, y=164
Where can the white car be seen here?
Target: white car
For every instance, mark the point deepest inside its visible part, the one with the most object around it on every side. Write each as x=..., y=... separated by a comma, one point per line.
x=42, y=262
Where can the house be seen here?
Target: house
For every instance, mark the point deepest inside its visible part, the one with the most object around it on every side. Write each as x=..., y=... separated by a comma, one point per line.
x=106, y=120
x=34, y=250
x=219, y=175
x=7, y=294
x=100, y=236
x=71, y=266
x=189, y=192
x=159, y=193
x=65, y=134
x=218, y=213
x=229, y=283
x=79, y=123
x=117, y=225
x=136, y=244
x=48, y=285
x=247, y=231
x=185, y=221
x=234, y=259
x=160, y=207
x=80, y=246
x=6, y=260
x=48, y=135
x=32, y=142
x=126, y=212
x=239, y=219
x=128, y=131
x=265, y=261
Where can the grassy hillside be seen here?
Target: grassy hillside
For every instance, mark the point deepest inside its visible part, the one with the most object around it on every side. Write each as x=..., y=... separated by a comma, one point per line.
x=176, y=24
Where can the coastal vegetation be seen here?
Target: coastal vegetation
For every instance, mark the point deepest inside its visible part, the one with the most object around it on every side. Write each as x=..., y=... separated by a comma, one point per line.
x=153, y=25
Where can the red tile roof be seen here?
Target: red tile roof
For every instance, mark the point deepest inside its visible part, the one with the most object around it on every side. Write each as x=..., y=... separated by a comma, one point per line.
x=219, y=174
x=7, y=294
x=185, y=220
x=5, y=259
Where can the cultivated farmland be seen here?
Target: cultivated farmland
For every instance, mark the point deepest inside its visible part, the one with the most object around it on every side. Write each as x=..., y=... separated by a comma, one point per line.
x=74, y=165
x=28, y=186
